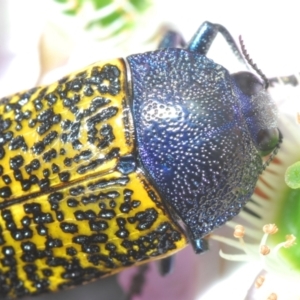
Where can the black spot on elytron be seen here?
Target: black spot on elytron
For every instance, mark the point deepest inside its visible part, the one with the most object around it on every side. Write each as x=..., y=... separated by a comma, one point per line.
x=4, y=124
x=54, y=199
x=81, y=239
x=38, y=104
x=71, y=202
x=90, y=249
x=112, y=204
x=56, y=261
x=35, y=164
x=102, y=205
x=16, y=162
x=106, y=132
x=125, y=207
x=121, y=181
x=122, y=232
x=6, y=179
x=76, y=144
x=7, y=136
x=47, y=272
x=50, y=137
x=53, y=243
x=32, y=123
x=135, y=203
x=68, y=162
x=98, y=225
x=90, y=199
x=55, y=168
x=71, y=251
x=68, y=227
x=26, y=185
x=18, y=127
x=76, y=191
x=18, y=175
x=97, y=162
x=146, y=219
x=42, y=230
x=62, y=151
x=46, y=173
x=2, y=152
x=110, y=247
x=26, y=221
x=84, y=155
x=59, y=216
x=85, y=215
x=74, y=85
x=98, y=238
x=107, y=214
x=65, y=124
x=64, y=176
x=38, y=147
x=49, y=155
x=28, y=168
x=103, y=115
x=44, y=184
x=5, y=192
x=2, y=240
x=33, y=179
x=46, y=119
x=39, y=217
x=98, y=259
x=18, y=142
x=1, y=170
x=8, y=251
x=43, y=218
x=51, y=99
x=88, y=91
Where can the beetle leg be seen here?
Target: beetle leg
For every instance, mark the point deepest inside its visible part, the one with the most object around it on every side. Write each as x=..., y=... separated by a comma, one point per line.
x=172, y=39
x=206, y=34
x=166, y=265
x=199, y=245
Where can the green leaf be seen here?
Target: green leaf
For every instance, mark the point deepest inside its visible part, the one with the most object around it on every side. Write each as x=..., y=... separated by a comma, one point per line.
x=288, y=222
x=140, y=5
x=292, y=176
x=101, y=3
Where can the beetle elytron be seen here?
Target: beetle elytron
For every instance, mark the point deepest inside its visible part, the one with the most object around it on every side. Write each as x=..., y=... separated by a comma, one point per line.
x=99, y=169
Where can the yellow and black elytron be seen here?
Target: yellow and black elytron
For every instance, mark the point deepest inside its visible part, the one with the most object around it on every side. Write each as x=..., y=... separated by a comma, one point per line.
x=99, y=170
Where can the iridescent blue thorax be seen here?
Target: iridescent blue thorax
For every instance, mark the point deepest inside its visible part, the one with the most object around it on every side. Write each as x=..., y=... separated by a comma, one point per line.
x=193, y=137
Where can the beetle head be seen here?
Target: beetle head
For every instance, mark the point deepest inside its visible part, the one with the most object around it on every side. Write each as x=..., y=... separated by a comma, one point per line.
x=259, y=112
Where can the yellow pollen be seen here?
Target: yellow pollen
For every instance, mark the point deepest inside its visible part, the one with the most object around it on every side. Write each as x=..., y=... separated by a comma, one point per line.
x=264, y=250
x=270, y=229
x=259, y=281
x=272, y=296
x=290, y=241
x=239, y=231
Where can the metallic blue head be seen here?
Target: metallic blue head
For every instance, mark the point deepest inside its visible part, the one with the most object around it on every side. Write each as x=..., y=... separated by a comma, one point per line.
x=198, y=134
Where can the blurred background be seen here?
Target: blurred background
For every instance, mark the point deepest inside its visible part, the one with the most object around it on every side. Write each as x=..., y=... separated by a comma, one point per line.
x=40, y=41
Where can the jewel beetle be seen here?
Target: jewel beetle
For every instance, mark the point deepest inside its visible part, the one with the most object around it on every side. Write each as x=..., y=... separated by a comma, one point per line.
x=127, y=161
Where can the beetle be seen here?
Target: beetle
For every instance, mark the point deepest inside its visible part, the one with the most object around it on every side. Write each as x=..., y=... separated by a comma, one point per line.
x=127, y=161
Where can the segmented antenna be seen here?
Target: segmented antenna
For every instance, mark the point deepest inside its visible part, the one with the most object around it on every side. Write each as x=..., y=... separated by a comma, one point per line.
x=252, y=64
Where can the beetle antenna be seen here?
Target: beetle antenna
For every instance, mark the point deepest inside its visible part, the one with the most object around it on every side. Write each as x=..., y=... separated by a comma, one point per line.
x=252, y=64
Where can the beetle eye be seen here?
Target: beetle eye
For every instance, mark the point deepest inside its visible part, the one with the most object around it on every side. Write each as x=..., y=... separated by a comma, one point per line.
x=267, y=140
x=248, y=83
